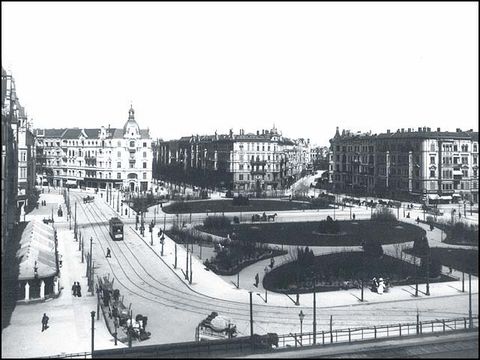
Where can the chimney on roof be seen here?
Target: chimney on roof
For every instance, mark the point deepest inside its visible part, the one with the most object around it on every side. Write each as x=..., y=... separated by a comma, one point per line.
x=459, y=130
x=419, y=129
x=263, y=131
x=424, y=129
x=388, y=131
x=258, y=132
x=409, y=130
x=403, y=130
x=438, y=129
x=429, y=129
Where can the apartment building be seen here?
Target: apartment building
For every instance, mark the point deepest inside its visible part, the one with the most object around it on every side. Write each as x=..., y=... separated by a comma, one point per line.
x=424, y=164
x=99, y=158
x=245, y=162
x=18, y=160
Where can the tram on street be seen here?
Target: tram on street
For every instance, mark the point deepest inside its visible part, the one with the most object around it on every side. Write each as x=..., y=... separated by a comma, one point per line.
x=116, y=228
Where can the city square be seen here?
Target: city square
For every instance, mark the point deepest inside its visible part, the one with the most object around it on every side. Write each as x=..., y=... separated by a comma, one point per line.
x=134, y=237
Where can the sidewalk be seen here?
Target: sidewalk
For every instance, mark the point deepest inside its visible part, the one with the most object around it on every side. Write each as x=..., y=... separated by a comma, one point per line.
x=70, y=320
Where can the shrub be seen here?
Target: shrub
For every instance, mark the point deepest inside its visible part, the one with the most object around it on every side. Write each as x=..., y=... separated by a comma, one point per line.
x=372, y=248
x=430, y=220
x=383, y=215
x=421, y=246
x=240, y=200
x=217, y=222
x=329, y=226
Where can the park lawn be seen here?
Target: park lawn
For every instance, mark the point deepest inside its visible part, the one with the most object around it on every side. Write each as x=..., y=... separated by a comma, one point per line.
x=459, y=259
x=220, y=206
x=332, y=270
x=352, y=233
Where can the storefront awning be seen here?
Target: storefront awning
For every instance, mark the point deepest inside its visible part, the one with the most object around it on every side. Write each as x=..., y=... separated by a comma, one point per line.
x=447, y=197
x=433, y=196
x=37, y=252
x=71, y=182
x=457, y=172
x=457, y=195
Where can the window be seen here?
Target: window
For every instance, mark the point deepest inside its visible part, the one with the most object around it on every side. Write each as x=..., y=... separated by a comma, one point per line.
x=144, y=154
x=119, y=154
x=119, y=143
x=474, y=147
x=131, y=165
x=144, y=176
x=432, y=173
x=119, y=165
x=432, y=147
x=132, y=143
x=144, y=165
x=240, y=177
x=432, y=159
x=240, y=166
x=119, y=175
x=455, y=148
x=144, y=144
x=464, y=159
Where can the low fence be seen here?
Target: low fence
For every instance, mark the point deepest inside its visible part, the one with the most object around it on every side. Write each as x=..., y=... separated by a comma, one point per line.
x=376, y=332
x=242, y=345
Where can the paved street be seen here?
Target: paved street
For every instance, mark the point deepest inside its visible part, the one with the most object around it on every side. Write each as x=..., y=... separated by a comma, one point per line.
x=174, y=307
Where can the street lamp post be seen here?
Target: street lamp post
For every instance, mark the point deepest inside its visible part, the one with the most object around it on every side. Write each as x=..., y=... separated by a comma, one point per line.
x=92, y=314
x=301, y=316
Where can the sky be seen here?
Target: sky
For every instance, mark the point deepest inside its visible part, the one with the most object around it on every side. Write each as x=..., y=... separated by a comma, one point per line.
x=196, y=68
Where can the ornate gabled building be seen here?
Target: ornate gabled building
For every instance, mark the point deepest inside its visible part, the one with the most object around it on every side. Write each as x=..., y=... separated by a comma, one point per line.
x=99, y=158
x=425, y=164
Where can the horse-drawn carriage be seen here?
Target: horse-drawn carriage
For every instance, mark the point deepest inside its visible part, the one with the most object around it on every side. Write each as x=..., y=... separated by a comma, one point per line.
x=88, y=199
x=122, y=316
x=263, y=217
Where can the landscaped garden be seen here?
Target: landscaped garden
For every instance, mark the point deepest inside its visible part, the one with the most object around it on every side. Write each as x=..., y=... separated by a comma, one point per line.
x=318, y=233
x=457, y=233
x=231, y=253
x=229, y=205
x=458, y=259
x=344, y=270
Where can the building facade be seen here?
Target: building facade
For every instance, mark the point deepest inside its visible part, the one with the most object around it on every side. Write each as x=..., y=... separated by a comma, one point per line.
x=424, y=164
x=244, y=162
x=99, y=158
x=18, y=160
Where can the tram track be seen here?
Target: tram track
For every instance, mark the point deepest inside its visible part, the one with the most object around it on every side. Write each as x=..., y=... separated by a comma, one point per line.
x=176, y=298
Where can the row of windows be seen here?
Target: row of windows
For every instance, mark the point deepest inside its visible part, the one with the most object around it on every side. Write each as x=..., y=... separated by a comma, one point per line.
x=454, y=147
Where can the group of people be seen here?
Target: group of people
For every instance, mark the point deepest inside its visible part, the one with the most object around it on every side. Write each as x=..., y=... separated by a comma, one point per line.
x=379, y=285
x=76, y=289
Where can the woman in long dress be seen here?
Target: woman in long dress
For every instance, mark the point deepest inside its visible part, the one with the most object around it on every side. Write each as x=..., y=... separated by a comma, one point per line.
x=381, y=286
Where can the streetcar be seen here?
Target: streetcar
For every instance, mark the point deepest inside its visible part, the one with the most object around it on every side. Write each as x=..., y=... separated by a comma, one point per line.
x=116, y=228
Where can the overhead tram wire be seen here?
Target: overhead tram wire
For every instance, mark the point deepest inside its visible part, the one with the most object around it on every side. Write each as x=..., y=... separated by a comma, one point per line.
x=405, y=312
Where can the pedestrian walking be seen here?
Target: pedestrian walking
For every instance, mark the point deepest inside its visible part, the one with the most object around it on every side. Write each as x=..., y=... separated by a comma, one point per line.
x=79, y=289
x=74, y=289
x=44, y=322
x=272, y=262
x=353, y=216
x=266, y=269
x=256, y=280
x=109, y=255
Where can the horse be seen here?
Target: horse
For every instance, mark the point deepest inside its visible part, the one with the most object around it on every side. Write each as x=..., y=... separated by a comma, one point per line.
x=272, y=217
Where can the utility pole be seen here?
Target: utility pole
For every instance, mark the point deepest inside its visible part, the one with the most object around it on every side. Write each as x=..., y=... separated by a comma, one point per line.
x=92, y=314
x=251, y=317
x=314, y=314
x=186, y=272
x=175, y=265
x=428, y=275
x=75, y=225
x=191, y=270
x=470, y=320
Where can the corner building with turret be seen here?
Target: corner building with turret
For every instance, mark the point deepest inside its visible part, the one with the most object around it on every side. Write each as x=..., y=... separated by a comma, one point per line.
x=99, y=158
